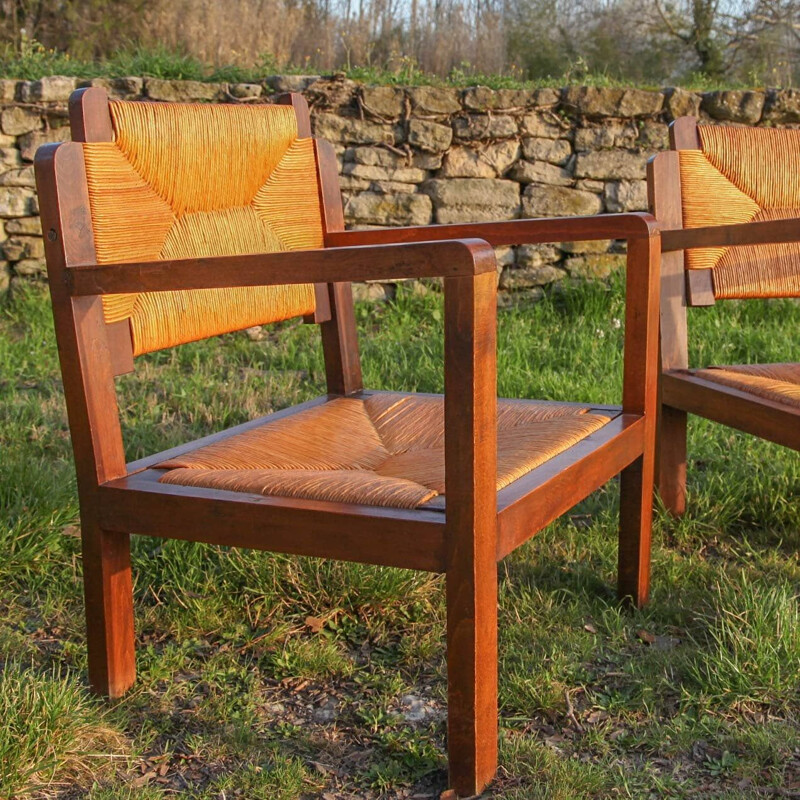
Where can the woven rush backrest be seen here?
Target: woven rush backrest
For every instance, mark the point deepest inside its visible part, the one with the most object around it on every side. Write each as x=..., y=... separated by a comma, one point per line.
x=191, y=180
x=743, y=175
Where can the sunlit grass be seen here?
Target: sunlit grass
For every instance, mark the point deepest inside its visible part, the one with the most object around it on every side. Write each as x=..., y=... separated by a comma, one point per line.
x=285, y=677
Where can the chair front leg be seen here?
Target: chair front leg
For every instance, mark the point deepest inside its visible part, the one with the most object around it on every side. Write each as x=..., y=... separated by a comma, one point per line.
x=639, y=396
x=471, y=677
x=672, y=460
x=635, y=524
x=108, y=594
x=471, y=530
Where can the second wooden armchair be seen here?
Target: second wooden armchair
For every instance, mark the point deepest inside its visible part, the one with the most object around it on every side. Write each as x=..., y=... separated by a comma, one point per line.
x=147, y=216
x=728, y=201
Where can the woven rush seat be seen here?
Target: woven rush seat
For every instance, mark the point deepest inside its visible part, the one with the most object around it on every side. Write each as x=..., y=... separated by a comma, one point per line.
x=383, y=449
x=777, y=382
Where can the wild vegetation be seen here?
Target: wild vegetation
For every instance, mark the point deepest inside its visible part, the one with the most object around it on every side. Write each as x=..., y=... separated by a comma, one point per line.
x=654, y=42
x=264, y=676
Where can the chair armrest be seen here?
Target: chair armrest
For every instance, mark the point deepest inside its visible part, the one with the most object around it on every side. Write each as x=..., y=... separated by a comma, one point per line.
x=518, y=231
x=452, y=258
x=765, y=232
x=642, y=301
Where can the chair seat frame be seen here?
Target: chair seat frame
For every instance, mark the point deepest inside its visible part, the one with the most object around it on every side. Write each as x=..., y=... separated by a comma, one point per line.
x=463, y=537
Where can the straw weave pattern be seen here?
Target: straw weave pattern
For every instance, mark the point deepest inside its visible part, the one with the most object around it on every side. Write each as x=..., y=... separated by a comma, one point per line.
x=385, y=450
x=777, y=382
x=743, y=175
x=192, y=180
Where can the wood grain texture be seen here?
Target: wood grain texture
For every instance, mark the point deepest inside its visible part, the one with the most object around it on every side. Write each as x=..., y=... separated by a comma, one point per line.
x=683, y=134
x=339, y=335
x=635, y=526
x=763, y=232
x=108, y=599
x=368, y=534
x=519, y=231
x=90, y=121
x=700, y=287
x=642, y=295
x=120, y=345
x=746, y=412
x=471, y=536
x=664, y=196
x=544, y=494
x=300, y=106
x=88, y=379
x=640, y=395
x=89, y=116
x=322, y=307
x=379, y=262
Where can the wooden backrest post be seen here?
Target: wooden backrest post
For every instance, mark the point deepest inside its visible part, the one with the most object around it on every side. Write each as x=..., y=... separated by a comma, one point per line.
x=86, y=365
x=322, y=307
x=640, y=368
x=664, y=200
x=90, y=121
x=339, y=336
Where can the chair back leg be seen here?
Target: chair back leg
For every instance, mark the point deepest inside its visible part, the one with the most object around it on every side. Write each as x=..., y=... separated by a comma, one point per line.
x=635, y=520
x=672, y=459
x=108, y=594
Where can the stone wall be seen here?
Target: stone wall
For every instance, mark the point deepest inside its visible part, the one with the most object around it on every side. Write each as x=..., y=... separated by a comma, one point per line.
x=420, y=155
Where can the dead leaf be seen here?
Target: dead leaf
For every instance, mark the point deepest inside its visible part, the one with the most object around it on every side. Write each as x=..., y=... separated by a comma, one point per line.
x=315, y=624
x=645, y=636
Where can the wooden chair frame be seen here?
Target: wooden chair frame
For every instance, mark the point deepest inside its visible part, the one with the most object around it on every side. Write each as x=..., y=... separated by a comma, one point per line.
x=681, y=391
x=464, y=538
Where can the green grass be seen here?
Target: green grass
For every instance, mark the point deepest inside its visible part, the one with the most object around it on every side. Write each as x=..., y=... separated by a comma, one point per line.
x=240, y=694
x=32, y=61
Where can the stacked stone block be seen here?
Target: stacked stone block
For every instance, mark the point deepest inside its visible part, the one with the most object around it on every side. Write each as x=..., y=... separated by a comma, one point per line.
x=421, y=155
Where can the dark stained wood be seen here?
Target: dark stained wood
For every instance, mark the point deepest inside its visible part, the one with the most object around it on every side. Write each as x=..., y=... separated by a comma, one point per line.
x=463, y=536
x=322, y=306
x=664, y=197
x=339, y=335
x=745, y=412
x=700, y=287
x=544, y=494
x=88, y=379
x=120, y=345
x=403, y=260
x=471, y=538
x=369, y=534
x=108, y=600
x=683, y=134
x=90, y=121
x=635, y=526
x=671, y=457
x=518, y=231
x=639, y=395
x=89, y=117
x=640, y=375
x=765, y=232
x=681, y=391
x=300, y=106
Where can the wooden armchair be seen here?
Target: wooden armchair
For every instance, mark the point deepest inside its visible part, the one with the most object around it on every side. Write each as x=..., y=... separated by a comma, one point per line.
x=149, y=217
x=727, y=200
